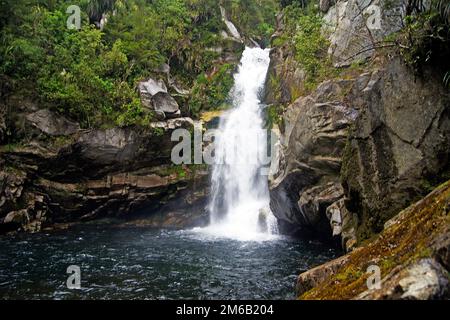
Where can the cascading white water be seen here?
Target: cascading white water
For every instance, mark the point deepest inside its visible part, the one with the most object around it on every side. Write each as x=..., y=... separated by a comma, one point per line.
x=239, y=205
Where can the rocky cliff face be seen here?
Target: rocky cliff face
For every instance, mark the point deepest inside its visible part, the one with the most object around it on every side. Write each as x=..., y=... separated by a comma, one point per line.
x=314, y=138
x=399, y=145
x=360, y=147
x=62, y=174
x=355, y=28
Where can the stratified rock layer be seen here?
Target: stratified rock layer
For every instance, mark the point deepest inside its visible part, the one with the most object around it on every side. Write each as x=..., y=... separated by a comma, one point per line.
x=67, y=175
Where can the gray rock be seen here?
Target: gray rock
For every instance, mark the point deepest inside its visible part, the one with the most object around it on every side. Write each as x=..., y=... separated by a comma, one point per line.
x=163, y=102
x=354, y=27
x=52, y=124
x=343, y=224
x=232, y=30
x=400, y=138
x=115, y=172
x=152, y=87
x=310, y=157
x=313, y=206
x=18, y=217
x=173, y=124
x=11, y=189
x=423, y=280
x=155, y=97
x=126, y=147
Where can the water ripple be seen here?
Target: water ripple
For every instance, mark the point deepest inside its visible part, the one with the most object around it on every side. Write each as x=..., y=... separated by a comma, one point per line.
x=130, y=263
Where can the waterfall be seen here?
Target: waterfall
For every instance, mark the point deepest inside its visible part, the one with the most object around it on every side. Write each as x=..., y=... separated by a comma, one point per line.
x=239, y=206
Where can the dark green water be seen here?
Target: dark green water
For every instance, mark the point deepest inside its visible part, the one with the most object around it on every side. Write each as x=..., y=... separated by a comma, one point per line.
x=138, y=263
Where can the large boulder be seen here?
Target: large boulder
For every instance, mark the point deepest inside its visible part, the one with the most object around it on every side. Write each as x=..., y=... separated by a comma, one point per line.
x=51, y=124
x=98, y=152
x=155, y=97
x=425, y=279
x=398, y=147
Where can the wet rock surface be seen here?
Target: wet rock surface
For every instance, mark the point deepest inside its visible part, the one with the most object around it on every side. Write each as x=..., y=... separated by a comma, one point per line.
x=91, y=174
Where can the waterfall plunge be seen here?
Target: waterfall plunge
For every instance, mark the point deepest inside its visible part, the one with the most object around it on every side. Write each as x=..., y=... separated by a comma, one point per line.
x=239, y=206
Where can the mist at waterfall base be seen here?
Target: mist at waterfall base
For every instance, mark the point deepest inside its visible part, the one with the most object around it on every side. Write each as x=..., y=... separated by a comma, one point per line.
x=234, y=258
x=239, y=205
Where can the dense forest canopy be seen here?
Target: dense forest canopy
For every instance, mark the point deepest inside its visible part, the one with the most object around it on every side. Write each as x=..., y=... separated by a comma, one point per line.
x=91, y=74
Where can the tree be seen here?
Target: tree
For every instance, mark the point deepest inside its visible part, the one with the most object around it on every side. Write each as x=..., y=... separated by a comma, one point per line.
x=96, y=9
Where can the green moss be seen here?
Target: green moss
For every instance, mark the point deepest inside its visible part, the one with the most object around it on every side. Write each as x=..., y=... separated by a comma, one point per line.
x=10, y=147
x=159, y=132
x=401, y=244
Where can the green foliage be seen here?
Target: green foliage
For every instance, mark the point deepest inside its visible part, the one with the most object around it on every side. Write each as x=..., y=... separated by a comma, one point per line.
x=255, y=19
x=311, y=47
x=133, y=114
x=91, y=75
x=210, y=93
x=274, y=116
x=303, y=36
x=425, y=41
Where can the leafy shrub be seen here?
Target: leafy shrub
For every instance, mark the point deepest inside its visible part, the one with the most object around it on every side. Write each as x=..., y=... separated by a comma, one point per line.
x=311, y=47
x=425, y=41
x=210, y=93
